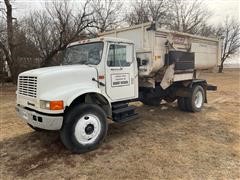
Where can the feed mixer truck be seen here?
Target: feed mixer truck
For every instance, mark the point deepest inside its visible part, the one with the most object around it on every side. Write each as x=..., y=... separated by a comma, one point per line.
x=99, y=77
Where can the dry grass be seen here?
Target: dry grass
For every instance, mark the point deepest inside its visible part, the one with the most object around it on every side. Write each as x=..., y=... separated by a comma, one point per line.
x=164, y=143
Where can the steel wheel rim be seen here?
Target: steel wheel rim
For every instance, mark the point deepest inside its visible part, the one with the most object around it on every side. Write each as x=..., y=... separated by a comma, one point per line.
x=87, y=129
x=198, y=99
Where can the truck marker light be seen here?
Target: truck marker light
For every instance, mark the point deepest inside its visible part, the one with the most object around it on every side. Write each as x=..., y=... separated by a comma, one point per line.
x=100, y=77
x=56, y=105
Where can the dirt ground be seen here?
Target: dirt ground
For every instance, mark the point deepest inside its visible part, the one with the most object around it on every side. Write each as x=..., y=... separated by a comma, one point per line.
x=164, y=143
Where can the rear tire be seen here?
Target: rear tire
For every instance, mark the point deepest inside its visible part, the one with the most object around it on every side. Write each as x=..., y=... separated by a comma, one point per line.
x=193, y=103
x=84, y=128
x=196, y=101
x=182, y=104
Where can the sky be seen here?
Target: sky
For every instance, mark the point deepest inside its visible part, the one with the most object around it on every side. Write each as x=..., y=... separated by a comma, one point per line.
x=219, y=8
x=223, y=8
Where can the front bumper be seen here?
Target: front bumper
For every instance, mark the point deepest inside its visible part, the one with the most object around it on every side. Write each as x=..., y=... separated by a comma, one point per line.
x=42, y=121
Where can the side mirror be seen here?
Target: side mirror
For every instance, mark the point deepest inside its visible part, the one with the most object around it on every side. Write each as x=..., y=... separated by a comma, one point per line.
x=138, y=61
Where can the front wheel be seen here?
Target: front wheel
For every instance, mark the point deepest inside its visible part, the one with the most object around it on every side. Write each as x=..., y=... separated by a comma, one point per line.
x=84, y=128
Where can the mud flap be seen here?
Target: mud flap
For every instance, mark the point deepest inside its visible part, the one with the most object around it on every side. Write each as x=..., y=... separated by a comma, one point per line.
x=211, y=87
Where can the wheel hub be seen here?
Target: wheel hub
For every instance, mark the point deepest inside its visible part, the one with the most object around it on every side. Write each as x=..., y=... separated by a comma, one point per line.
x=87, y=129
x=198, y=99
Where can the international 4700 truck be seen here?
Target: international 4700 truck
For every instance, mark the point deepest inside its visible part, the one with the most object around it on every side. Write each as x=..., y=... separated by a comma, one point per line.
x=99, y=77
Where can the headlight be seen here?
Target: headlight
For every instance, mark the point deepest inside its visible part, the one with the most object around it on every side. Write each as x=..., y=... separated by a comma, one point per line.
x=51, y=105
x=44, y=104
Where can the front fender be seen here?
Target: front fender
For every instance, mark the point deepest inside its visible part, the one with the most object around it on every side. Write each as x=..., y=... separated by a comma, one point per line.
x=69, y=93
x=84, y=91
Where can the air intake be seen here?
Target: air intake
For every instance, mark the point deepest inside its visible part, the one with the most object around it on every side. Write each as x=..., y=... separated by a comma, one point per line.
x=27, y=86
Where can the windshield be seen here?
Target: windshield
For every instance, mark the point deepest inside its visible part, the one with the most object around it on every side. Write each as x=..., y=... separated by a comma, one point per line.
x=90, y=53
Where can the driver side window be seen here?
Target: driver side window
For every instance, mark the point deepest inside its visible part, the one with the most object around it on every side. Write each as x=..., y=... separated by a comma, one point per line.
x=117, y=56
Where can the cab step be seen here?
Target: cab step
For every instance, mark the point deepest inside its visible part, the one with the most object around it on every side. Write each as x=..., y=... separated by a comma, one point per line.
x=119, y=105
x=121, y=112
x=126, y=119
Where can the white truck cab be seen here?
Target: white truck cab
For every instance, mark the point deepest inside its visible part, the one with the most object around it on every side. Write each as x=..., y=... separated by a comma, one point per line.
x=97, y=80
x=97, y=71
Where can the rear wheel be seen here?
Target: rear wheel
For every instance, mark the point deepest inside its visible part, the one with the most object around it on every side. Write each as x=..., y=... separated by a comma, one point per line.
x=182, y=104
x=84, y=128
x=195, y=102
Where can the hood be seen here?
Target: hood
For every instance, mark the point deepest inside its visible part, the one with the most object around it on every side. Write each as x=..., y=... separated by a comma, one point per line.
x=55, y=69
x=58, y=77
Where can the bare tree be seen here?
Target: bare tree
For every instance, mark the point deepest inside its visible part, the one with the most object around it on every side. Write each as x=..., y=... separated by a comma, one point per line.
x=147, y=10
x=230, y=32
x=57, y=26
x=207, y=30
x=107, y=14
x=158, y=10
x=14, y=44
x=139, y=13
x=187, y=16
x=7, y=40
x=3, y=29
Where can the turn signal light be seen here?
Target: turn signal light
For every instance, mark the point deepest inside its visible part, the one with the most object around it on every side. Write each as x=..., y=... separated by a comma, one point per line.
x=56, y=105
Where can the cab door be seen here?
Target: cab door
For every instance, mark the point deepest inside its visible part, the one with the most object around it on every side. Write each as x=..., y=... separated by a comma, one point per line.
x=120, y=71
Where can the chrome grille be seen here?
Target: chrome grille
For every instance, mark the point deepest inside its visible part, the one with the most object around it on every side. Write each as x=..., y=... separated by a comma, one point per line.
x=27, y=86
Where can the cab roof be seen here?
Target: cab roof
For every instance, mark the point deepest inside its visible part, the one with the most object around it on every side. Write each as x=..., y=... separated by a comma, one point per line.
x=103, y=39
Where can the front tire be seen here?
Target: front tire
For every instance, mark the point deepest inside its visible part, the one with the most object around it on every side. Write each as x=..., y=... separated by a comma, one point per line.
x=84, y=128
